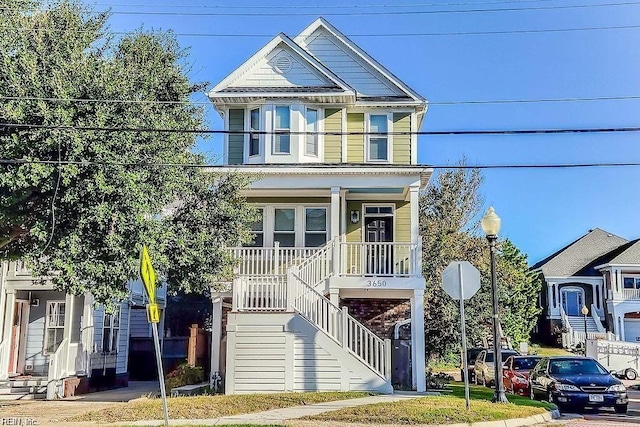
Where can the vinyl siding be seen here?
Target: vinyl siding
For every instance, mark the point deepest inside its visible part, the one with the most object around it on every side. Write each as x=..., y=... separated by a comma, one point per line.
x=236, y=142
x=355, y=143
x=402, y=143
x=403, y=222
x=123, y=339
x=260, y=359
x=354, y=233
x=332, y=143
x=138, y=323
x=315, y=369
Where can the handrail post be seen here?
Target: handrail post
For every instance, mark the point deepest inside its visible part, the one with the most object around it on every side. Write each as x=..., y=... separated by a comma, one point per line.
x=335, y=249
x=276, y=257
x=291, y=294
x=387, y=359
x=345, y=327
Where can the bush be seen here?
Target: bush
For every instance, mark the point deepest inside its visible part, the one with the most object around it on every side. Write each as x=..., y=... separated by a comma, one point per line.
x=437, y=381
x=184, y=374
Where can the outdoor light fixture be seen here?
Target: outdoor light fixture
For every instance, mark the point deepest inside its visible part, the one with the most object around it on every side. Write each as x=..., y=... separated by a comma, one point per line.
x=355, y=217
x=491, y=226
x=585, y=311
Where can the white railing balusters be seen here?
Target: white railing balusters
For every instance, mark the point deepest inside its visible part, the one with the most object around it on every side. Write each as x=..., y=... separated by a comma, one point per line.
x=379, y=259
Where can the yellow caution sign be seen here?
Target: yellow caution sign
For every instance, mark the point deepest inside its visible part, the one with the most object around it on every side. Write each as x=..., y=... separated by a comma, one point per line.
x=148, y=274
x=153, y=313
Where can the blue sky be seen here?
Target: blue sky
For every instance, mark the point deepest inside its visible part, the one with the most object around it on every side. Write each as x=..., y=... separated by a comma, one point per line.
x=541, y=209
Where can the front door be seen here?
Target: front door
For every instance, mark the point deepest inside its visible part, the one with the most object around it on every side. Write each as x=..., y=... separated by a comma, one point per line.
x=18, y=337
x=379, y=257
x=572, y=302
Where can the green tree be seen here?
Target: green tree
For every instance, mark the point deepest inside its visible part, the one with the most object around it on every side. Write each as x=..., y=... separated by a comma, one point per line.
x=82, y=222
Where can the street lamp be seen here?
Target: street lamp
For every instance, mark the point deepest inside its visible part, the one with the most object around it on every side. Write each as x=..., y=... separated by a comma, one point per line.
x=585, y=311
x=491, y=226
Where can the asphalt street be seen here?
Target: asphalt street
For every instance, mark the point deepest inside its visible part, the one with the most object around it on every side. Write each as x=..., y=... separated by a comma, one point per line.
x=607, y=417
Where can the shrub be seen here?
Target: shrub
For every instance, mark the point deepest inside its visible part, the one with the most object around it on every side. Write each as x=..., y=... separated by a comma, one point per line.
x=184, y=374
x=437, y=381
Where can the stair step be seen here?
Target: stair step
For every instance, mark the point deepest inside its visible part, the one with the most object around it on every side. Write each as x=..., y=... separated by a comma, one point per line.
x=20, y=396
x=29, y=389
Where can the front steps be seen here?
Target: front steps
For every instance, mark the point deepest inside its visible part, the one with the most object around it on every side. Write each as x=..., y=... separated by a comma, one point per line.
x=23, y=388
x=577, y=323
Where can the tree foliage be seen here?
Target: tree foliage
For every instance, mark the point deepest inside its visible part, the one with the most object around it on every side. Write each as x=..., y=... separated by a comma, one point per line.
x=82, y=223
x=450, y=211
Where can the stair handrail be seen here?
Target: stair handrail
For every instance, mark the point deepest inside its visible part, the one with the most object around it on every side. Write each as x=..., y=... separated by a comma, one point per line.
x=328, y=317
x=596, y=319
x=57, y=364
x=567, y=325
x=318, y=267
x=4, y=360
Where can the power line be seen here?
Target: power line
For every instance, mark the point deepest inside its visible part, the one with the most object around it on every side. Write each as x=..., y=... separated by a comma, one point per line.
x=385, y=13
x=431, y=103
x=440, y=34
x=285, y=132
x=211, y=166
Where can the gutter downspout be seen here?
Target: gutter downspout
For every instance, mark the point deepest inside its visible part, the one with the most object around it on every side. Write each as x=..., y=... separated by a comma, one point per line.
x=396, y=328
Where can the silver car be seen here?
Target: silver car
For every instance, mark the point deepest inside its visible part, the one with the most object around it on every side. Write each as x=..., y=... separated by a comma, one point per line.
x=484, y=366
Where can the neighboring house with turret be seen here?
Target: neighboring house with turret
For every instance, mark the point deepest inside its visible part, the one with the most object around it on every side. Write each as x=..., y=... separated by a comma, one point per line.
x=335, y=267
x=600, y=273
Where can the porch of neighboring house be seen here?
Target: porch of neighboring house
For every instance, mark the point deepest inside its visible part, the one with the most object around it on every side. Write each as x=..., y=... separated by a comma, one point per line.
x=49, y=346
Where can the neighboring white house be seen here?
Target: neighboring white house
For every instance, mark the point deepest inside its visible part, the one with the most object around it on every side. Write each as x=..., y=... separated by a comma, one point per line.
x=336, y=262
x=601, y=272
x=56, y=343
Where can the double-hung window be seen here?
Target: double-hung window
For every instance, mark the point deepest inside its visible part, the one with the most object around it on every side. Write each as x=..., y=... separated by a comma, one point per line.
x=254, y=138
x=631, y=282
x=111, y=331
x=315, y=227
x=378, y=140
x=311, y=146
x=282, y=127
x=284, y=230
x=54, y=331
x=257, y=228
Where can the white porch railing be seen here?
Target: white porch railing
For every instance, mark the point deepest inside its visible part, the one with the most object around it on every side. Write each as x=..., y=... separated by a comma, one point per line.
x=260, y=293
x=318, y=267
x=365, y=345
x=4, y=359
x=627, y=294
x=57, y=370
x=269, y=261
x=379, y=259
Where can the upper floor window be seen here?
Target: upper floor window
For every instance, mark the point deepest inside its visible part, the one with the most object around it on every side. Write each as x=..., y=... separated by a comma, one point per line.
x=311, y=147
x=254, y=138
x=378, y=145
x=631, y=282
x=282, y=141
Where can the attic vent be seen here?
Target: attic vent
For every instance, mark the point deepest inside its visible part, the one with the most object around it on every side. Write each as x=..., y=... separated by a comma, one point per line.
x=283, y=65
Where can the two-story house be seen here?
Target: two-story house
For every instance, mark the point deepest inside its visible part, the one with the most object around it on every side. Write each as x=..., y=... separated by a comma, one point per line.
x=54, y=344
x=598, y=273
x=335, y=267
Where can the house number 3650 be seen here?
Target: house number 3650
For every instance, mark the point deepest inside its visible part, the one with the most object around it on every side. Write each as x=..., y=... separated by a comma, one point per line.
x=376, y=283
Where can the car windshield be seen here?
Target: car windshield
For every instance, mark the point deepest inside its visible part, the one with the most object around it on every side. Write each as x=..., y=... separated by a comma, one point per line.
x=576, y=367
x=504, y=356
x=525, y=363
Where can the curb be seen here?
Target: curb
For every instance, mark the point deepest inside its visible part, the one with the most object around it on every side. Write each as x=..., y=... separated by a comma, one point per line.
x=517, y=422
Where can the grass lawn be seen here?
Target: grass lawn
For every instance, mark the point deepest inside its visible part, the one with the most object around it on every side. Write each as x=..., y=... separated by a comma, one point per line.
x=194, y=407
x=445, y=409
x=549, y=351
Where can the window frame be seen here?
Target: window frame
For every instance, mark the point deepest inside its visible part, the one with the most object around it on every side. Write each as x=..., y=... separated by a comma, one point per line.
x=293, y=232
x=368, y=137
x=324, y=232
x=111, y=329
x=254, y=137
x=261, y=231
x=49, y=327
x=315, y=135
x=276, y=135
x=634, y=277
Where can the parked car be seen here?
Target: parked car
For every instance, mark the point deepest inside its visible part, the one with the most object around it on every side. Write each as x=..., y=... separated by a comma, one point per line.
x=483, y=368
x=576, y=381
x=515, y=374
x=472, y=354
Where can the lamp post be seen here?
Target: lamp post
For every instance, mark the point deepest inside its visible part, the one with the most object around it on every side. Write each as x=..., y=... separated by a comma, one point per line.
x=585, y=311
x=491, y=226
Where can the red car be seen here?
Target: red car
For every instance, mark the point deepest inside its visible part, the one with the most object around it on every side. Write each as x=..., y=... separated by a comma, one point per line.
x=515, y=374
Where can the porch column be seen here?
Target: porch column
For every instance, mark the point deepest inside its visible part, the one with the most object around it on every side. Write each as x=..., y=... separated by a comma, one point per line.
x=10, y=304
x=334, y=296
x=414, y=192
x=216, y=336
x=86, y=333
x=550, y=296
x=593, y=297
x=417, y=340
x=335, y=212
x=343, y=212
x=621, y=327
x=556, y=289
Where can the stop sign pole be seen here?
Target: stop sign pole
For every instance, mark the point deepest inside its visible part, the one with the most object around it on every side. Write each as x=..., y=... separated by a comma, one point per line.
x=461, y=281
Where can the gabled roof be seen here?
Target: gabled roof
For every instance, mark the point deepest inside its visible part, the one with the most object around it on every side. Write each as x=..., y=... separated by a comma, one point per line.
x=576, y=258
x=310, y=73
x=336, y=51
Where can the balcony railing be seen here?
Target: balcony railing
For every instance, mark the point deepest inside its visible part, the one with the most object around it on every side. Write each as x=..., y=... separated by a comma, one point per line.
x=379, y=259
x=627, y=294
x=254, y=261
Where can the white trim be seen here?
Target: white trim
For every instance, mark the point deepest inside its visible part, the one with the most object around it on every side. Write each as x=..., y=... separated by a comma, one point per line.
x=367, y=138
x=225, y=144
x=111, y=328
x=343, y=136
x=299, y=230
x=363, y=215
x=414, y=138
x=46, y=324
x=567, y=289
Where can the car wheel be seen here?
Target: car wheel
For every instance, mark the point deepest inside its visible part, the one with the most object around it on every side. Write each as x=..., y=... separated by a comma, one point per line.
x=630, y=374
x=621, y=409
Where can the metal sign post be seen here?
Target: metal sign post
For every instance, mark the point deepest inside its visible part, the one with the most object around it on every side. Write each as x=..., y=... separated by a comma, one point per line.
x=148, y=276
x=461, y=281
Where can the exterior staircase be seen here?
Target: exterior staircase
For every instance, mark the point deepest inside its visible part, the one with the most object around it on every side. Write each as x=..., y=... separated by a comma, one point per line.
x=577, y=323
x=574, y=334
x=23, y=388
x=301, y=290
